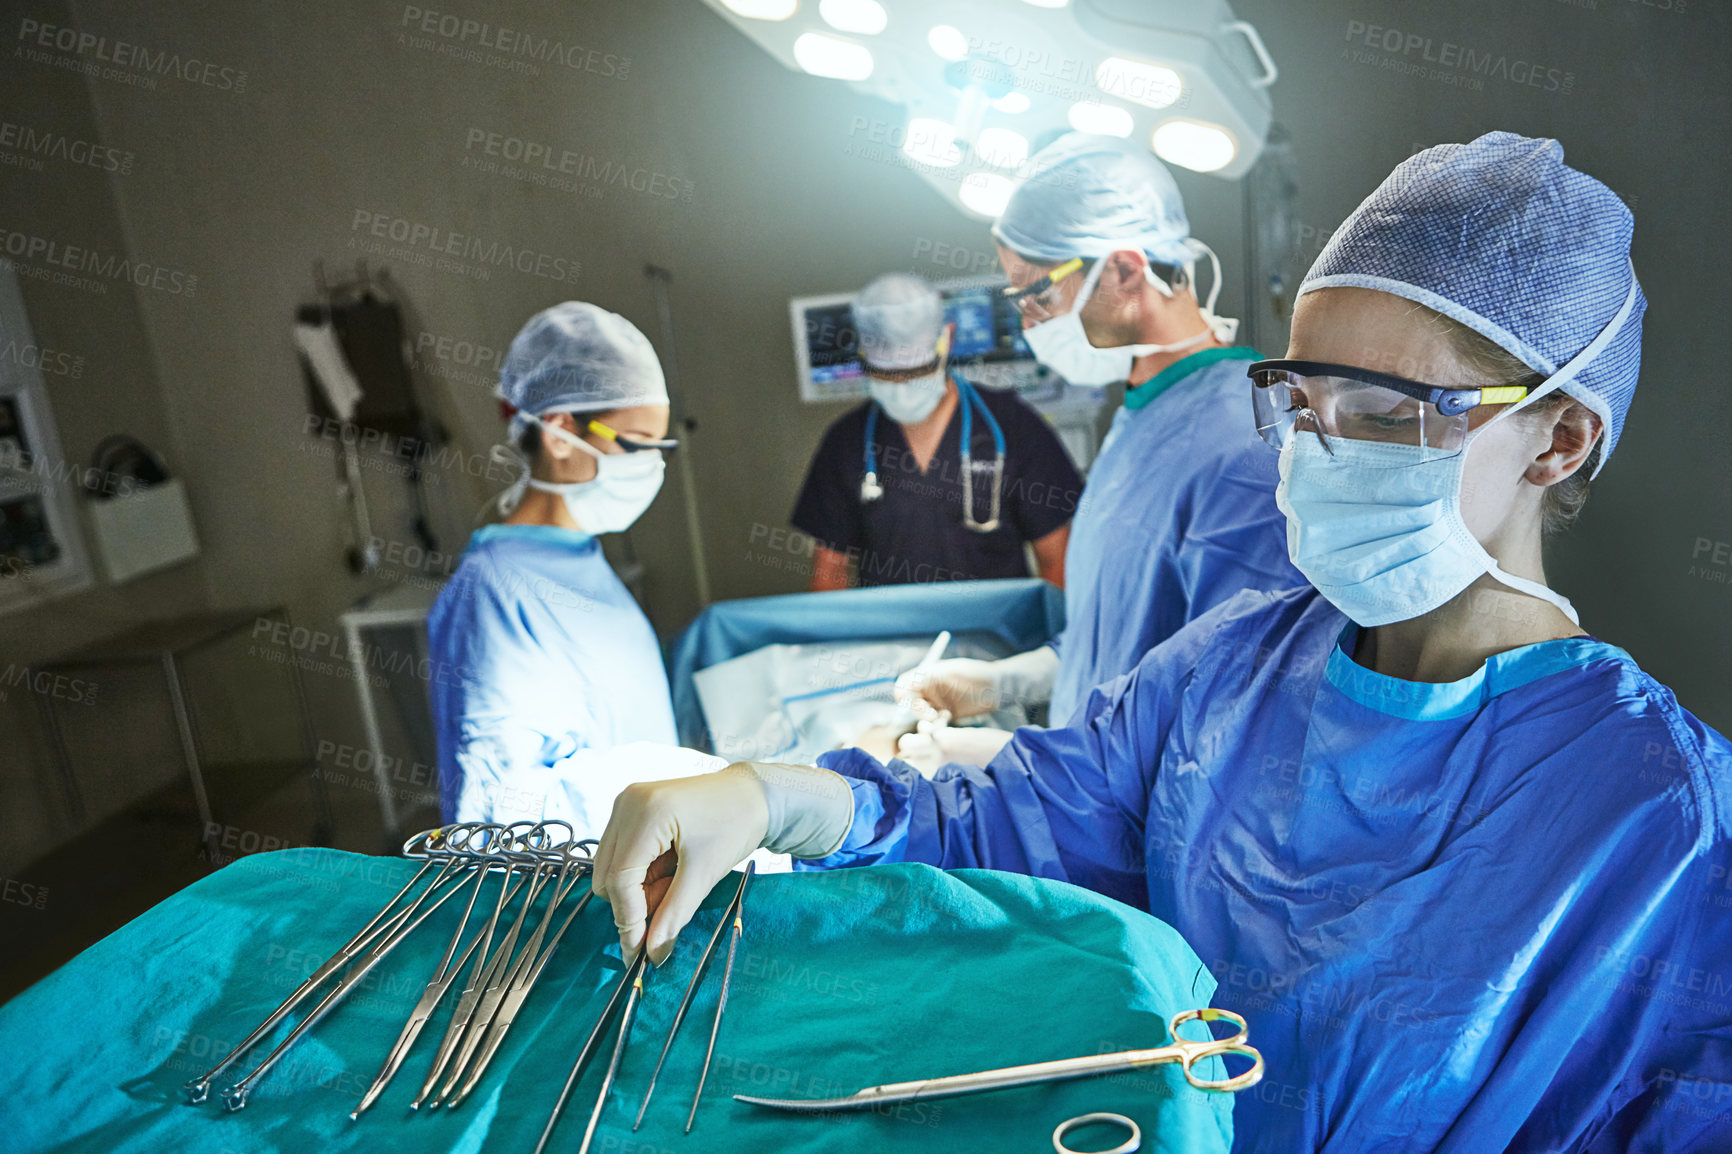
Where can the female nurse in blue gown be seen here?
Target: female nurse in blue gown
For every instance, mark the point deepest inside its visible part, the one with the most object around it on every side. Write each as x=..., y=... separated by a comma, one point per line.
x=1463, y=865
x=543, y=665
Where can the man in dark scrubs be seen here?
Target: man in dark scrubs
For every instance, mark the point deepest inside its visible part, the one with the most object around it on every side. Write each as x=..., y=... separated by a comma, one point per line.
x=893, y=512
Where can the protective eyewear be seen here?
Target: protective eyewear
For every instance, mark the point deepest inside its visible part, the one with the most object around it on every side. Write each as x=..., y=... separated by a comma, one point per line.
x=1363, y=405
x=628, y=444
x=1030, y=299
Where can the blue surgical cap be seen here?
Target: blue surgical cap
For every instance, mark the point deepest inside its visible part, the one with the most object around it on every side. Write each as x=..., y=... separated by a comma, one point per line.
x=1504, y=237
x=579, y=358
x=898, y=318
x=1095, y=195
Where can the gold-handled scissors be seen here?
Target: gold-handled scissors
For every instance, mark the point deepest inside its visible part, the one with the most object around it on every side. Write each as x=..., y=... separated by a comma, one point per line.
x=1181, y=1050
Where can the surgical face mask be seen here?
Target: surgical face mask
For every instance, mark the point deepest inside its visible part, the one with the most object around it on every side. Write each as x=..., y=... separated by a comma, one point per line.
x=1062, y=344
x=623, y=486
x=908, y=402
x=1378, y=529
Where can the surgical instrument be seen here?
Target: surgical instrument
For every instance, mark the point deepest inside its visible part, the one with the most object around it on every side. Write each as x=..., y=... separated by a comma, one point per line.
x=739, y=907
x=443, y=976
x=528, y=968
x=631, y=1001
x=686, y=1002
x=626, y=981
x=235, y=1096
x=1129, y=1146
x=501, y=971
x=1186, y=1053
x=198, y=1089
x=479, y=977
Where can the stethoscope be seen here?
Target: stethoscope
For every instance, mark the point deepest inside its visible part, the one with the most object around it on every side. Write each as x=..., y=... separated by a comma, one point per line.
x=871, y=490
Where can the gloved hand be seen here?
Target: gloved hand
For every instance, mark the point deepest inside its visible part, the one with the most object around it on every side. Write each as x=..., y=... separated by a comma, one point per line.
x=669, y=842
x=968, y=688
x=969, y=744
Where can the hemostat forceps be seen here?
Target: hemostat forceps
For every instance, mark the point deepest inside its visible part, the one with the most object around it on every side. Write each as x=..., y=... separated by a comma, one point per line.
x=482, y=973
x=443, y=976
x=1185, y=1053
x=528, y=966
x=401, y=926
x=421, y=846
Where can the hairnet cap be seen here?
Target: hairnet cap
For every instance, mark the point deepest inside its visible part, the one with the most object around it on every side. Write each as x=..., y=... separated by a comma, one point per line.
x=1504, y=237
x=579, y=358
x=898, y=318
x=1091, y=196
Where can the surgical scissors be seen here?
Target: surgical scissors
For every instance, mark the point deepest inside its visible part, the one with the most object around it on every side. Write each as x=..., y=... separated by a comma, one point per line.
x=198, y=1089
x=1186, y=1053
x=399, y=927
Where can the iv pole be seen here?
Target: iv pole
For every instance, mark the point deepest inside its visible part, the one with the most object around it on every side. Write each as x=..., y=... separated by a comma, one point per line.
x=660, y=279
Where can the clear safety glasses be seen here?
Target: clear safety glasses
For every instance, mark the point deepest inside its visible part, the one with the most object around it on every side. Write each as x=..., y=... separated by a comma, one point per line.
x=1362, y=405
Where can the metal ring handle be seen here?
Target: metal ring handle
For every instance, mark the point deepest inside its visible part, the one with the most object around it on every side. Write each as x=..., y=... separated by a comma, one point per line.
x=1224, y=1085
x=1209, y=1014
x=1129, y=1146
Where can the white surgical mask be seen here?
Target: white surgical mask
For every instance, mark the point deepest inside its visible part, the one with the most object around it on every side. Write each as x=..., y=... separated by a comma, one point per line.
x=908, y=402
x=1062, y=344
x=1377, y=528
x=622, y=488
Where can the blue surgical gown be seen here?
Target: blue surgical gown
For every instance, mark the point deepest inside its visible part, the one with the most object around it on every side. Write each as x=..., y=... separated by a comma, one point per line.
x=538, y=654
x=1485, y=915
x=1177, y=516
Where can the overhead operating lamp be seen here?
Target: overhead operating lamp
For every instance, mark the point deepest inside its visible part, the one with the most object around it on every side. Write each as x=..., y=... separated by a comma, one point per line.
x=983, y=83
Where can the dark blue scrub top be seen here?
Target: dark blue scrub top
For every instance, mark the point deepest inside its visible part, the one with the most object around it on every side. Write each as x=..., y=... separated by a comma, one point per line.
x=914, y=532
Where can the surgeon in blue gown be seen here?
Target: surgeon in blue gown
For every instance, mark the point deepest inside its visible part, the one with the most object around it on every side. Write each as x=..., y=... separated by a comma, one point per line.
x=543, y=665
x=1463, y=865
x=1178, y=513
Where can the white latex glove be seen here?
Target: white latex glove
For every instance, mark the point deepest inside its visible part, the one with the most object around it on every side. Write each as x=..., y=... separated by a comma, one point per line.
x=969, y=744
x=968, y=687
x=669, y=842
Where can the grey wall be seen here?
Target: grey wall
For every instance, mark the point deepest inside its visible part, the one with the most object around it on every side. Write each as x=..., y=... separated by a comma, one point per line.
x=341, y=115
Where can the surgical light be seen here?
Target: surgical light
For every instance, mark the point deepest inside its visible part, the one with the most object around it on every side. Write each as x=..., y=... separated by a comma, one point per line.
x=986, y=193
x=763, y=9
x=862, y=17
x=1013, y=103
x=948, y=42
x=932, y=142
x=1101, y=119
x=1001, y=147
x=827, y=56
x=1047, y=3
x=1193, y=145
x=1140, y=83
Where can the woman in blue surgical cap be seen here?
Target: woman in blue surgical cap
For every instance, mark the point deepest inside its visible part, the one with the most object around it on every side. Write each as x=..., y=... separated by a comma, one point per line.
x=543, y=667
x=1463, y=865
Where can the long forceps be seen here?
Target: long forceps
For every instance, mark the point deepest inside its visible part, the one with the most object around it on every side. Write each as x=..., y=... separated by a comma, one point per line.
x=443, y=976
x=627, y=981
x=235, y=1096
x=198, y=1089
x=722, y=1000
x=482, y=972
x=729, y=914
x=529, y=966
x=1186, y=1053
